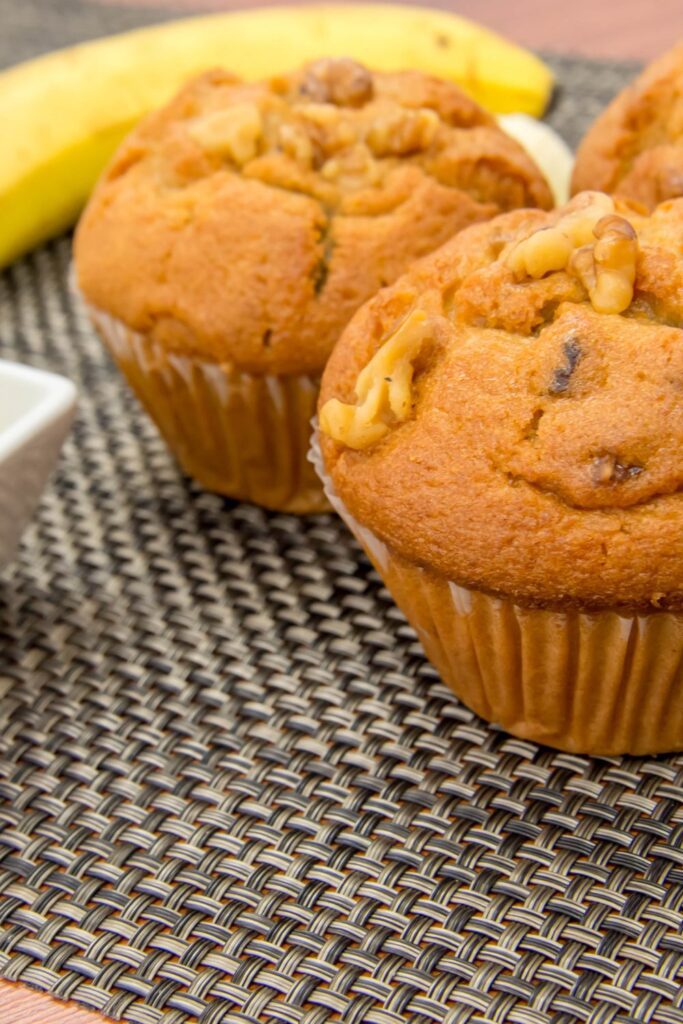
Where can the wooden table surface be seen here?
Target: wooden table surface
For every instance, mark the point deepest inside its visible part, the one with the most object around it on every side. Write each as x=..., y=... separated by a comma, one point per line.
x=633, y=29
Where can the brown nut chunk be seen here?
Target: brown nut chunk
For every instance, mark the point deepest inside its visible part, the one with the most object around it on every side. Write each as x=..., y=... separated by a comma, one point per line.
x=296, y=143
x=615, y=254
x=607, y=269
x=599, y=248
x=341, y=81
x=546, y=250
x=583, y=213
x=582, y=266
x=354, y=168
x=403, y=131
x=383, y=389
x=550, y=249
x=330, y=129
x=233, y=132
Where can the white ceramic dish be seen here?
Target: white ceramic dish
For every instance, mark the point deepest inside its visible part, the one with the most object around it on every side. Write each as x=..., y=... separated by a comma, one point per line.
x=36, y=409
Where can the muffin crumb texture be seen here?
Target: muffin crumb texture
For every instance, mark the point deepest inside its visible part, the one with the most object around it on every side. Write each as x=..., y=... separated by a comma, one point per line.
x=545, y=400
x=246, y=222
x=635, y=148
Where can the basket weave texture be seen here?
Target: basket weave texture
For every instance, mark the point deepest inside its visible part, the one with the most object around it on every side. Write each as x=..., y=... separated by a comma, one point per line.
x=232, y=789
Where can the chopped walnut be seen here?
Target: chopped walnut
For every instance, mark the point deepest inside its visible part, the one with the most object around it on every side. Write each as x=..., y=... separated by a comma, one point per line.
x=593, y=243
x=582, y=266
x=607, y=269
x=541, y=253
x=550, y=249
x=321, y=114
x=354, y=168
x=296, y=143
x=583, y=213
x=233, y=132
x=325, y=123
x=615, y=254
x=383, y=389
x=341, y=81
x=400, y=132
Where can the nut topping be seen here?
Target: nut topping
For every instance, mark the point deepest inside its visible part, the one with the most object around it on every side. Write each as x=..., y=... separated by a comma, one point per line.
x=592, y=243
x=296, y=143
x=341, y=81
x=403, y=131
x=354, y=167
x=383, y=389
x=615, y=254
x=233, y=132
x=541, y=253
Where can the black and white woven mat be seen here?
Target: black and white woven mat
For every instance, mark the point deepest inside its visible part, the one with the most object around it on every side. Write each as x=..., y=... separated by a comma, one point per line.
x=232, y=789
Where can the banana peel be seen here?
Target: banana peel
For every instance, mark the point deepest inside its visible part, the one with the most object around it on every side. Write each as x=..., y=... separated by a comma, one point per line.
x=63, y=115
x=549, y=150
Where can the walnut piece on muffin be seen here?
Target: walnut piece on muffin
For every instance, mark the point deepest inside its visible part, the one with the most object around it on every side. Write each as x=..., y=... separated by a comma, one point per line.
x=246, y=222
x=534, y=447
x=635, y=148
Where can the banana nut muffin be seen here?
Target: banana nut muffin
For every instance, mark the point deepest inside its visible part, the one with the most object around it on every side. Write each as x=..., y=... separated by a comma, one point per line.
x=504, y=429
x=239, y=228
x=635, y=148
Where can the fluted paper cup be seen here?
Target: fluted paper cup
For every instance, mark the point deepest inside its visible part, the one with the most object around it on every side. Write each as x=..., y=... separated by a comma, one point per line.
x=587, y=682
x=243, y=435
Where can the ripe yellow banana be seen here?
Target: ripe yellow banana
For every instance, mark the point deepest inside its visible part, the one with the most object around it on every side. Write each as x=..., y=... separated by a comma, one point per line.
x=64, y=114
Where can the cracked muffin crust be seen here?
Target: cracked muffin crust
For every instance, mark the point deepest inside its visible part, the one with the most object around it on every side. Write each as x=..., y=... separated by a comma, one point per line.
x=509, y=415
x=635, y=148
x=246, y=222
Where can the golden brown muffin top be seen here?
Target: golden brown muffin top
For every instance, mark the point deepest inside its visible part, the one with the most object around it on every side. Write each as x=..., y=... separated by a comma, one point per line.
x=247, y=222
x=635, y=148
x=510, y=412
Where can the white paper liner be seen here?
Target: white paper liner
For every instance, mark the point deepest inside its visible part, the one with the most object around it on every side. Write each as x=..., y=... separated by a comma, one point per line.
x=587, y=682
x=243, y=435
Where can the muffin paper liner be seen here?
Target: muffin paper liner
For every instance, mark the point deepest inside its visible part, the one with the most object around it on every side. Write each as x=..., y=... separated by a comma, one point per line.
x=587, y=682
x=244, y=435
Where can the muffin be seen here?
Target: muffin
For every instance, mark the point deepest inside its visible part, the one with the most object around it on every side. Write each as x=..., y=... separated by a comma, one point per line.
x=238, y=229
x=503, y=431
x=635, y=148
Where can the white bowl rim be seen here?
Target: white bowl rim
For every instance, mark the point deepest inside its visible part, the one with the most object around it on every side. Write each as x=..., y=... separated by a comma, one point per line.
x=57, y=397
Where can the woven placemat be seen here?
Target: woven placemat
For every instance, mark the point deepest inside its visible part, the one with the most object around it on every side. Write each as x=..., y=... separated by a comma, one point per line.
x=232, y=789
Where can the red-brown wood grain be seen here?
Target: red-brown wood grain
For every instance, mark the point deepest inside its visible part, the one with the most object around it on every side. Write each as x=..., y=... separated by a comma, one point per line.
x=20, y=1005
